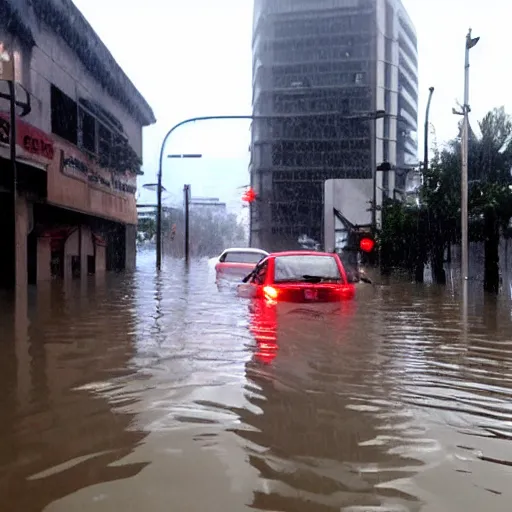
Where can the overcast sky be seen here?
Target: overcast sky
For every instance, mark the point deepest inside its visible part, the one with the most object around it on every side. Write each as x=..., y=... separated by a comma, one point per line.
x=193, y=58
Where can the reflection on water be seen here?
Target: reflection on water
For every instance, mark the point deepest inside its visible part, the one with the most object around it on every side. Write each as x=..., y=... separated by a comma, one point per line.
x=57, y=436
x=161, y=393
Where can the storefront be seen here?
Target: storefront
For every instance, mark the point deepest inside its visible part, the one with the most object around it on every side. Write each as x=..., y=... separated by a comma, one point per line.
x=71, y=216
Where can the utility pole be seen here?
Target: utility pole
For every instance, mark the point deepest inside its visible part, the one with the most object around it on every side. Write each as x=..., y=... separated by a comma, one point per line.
x=470, y=43
x=12, y=152
x=186, y=193
x=427, y=125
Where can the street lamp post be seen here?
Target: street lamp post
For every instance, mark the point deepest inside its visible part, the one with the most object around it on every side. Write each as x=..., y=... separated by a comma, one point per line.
x=427, y=124
x=379, y=114
x=470, y=43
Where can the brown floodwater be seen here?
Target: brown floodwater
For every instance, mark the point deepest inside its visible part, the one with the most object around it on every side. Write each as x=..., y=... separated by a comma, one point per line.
x=145, y=393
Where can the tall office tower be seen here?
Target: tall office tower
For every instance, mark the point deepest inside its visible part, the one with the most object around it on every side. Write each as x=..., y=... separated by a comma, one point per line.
x=321, y=70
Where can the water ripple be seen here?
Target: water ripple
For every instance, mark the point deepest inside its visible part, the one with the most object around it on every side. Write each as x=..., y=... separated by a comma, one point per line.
x=141, y=390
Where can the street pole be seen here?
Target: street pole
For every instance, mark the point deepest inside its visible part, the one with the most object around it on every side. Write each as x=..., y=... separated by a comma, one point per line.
x=374, y=165
x=12, y=150
x=186, y=193
x=379, y=114
x=372, y=115
x=159, y=214
x=470, y=43
x=419, y=272
x=427, y=125
x=7, y=73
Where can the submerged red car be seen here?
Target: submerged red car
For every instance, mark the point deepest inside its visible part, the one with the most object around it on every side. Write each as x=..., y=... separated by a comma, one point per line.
x=298, y=276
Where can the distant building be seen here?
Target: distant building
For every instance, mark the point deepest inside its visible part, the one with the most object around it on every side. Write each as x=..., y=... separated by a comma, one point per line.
x=208, y=204
x=79, y=149
x=344, y=57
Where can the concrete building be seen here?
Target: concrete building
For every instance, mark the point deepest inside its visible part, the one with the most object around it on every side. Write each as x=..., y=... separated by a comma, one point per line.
x=79, y=149
x=328, y=65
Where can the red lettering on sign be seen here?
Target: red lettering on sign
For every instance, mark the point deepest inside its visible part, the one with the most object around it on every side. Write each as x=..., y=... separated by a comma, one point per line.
x=31, y=139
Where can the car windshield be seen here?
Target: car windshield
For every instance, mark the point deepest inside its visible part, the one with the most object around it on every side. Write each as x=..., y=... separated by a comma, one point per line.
x=243, y=257
x=305, y=267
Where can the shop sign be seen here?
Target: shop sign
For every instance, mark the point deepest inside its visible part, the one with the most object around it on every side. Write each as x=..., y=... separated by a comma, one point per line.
x=29, y=138
x=76, y=168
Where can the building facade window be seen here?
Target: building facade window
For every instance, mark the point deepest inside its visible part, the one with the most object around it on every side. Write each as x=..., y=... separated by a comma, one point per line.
x=87, y=132
x=387, y=127
x=64, y=112
x=387, y=75
x=93, y=130
x=389, y=50
x=105, y=144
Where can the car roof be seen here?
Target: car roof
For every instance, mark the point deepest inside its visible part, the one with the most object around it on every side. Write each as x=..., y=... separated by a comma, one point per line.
x=302, y=253
x=244, y=249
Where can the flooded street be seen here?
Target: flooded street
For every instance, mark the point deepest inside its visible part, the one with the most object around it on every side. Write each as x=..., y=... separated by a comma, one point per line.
x=152, y=393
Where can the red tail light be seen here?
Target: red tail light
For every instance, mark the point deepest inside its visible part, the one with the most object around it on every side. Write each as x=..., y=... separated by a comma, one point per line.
x=270, y=292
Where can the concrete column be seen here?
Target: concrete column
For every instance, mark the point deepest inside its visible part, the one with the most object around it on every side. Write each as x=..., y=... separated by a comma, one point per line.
x=68, y=268
x=101, y=259
x=21, y=229
x=84, y=235
x=44, y=259
x=130, y=247
x=71, y=248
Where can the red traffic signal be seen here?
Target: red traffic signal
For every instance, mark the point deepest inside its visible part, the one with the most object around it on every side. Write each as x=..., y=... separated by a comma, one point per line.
x=366, y=244
x=249, y=195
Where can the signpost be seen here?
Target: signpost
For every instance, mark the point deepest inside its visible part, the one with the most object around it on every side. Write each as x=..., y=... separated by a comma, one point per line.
x=7, y=74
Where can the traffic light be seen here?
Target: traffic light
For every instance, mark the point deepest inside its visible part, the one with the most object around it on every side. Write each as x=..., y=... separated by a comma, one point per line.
x=366, y=247
x=249, y=195
x=366, y=244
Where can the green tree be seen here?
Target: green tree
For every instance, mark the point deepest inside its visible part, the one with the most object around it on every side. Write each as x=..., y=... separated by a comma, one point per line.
x=400, y=238
x=490, y=164
x=414, y=234
x=490, y=197
x=146, y=229
x=440, y=202
x=435, y=224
